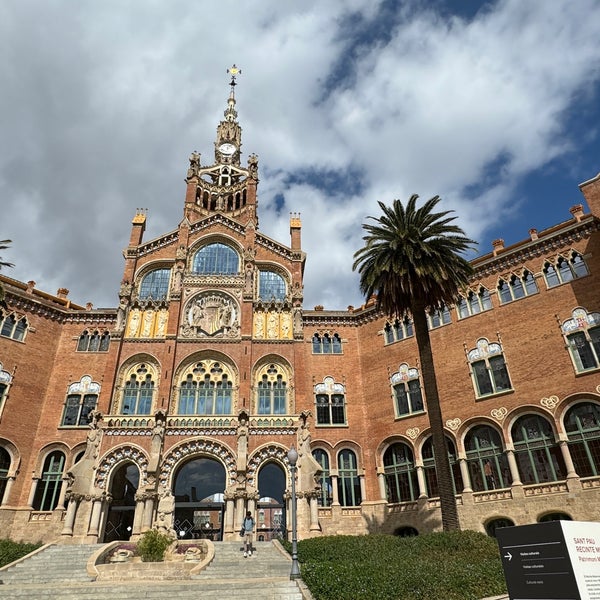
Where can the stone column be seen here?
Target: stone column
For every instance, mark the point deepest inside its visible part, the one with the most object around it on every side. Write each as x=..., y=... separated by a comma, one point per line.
x=566, y=454
x=148, y=512
x=34, y=485
x=9, y=484
x=382, y=490
x=251, y=506
x=60, y=504
x=335, y=499
x=70, y=516
x=421, y=482
x=466, y=476
x=239, y=511
x=314, y=513
x=363, y=488
x=95, y=516
x=512, y=465
x=138, y=515
x=229, y=514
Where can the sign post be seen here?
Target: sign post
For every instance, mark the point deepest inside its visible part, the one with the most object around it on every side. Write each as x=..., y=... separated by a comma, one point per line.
x=557, y=560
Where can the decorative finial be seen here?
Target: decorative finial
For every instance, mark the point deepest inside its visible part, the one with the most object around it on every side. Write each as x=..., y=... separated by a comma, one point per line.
x=234, y=72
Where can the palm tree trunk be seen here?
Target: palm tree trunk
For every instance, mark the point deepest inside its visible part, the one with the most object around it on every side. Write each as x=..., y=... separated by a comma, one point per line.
x=449, y=509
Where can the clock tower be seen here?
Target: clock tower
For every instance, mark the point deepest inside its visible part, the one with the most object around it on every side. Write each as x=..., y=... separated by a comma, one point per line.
x=225, y=186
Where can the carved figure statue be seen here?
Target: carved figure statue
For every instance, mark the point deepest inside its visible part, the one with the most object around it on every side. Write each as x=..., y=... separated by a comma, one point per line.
x=166, y=508
x=134, y=322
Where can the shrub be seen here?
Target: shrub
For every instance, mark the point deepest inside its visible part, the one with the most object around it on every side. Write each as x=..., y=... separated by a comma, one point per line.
x=11, y=551
x=152, y=545
x=457, y=565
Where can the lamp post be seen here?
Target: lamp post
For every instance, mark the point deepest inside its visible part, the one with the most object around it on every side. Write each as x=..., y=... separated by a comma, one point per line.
x=293, y=459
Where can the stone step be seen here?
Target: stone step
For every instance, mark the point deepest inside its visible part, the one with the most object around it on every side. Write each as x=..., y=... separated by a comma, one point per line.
x=263, y=590
x=59, y=573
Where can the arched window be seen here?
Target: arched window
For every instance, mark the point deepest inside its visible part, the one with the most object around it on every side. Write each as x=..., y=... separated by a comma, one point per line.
x=324, y=481
x=47, y=491
x=564, y=270
x=400, y=474
x=488, y=368
x=517, y=287
x=138, y=391
x=271, y=286
x=348, y=480
x=406, y=386
x=4, y=468
x=13, y=326
x=488, y=465
x=582, y=332
x=555, y=516
x=5, y=381
x=82, y=398
x=473, y=303
x=206, y=388
x=155, y=285
x=330, y=398
x=439, y=317
x=400, y=329
x=538, y=456
x=582, y=424
x=326, y=344
x=216, y=259
x=272, y=391
x=431, y=479
x=494, y=524
x=93, y=342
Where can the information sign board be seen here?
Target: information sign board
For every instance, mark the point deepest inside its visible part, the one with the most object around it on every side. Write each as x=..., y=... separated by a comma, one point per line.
x=557, y=560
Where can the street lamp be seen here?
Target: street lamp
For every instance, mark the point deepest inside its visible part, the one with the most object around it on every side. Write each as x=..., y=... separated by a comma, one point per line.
x=293, y=459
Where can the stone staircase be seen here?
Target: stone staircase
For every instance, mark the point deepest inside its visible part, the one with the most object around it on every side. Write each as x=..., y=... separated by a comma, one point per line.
x=59, y=573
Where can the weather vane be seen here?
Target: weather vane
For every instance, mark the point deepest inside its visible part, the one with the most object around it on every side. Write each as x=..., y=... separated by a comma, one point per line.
x=234, y=72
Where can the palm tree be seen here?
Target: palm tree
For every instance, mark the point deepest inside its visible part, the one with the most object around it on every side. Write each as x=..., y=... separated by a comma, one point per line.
x=3, y=246
x=410, y=262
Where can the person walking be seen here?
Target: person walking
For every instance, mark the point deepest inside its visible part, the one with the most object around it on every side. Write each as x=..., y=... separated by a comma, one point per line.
x=248, y=529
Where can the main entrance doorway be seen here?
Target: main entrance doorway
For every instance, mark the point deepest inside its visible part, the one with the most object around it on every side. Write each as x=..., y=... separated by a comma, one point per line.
x=124, y=485
x=199, y=505
x=271, y=505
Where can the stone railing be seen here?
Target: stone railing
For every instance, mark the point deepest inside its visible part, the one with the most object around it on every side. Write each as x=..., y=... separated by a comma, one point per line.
x=491, y=495
x=539, y=489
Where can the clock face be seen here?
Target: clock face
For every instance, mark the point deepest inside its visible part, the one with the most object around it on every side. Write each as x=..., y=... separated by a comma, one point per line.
x=227, y=149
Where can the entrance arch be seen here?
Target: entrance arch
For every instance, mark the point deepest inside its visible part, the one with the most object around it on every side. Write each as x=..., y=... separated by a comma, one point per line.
x=199, y=485
x=271, y=517
x=123, y=487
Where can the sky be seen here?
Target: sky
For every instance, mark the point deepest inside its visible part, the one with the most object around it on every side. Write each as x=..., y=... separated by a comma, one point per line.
x=492, y=105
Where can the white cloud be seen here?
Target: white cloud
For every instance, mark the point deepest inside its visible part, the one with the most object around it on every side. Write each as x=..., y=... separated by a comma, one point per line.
x=103, y=102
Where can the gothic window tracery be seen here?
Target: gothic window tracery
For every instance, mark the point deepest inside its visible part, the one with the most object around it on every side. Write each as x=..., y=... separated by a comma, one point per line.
x=564, y=269
x=271, y=286
x=5, y=381
x=326, y=344
x=487, y=463
x=400, y=329
x=582, y=333
x=155, y=284
x=349, y=492
x=473, y=303
x=324, y=478
x=582, y=424
x=138, y=390
x=81, y=400
x=272, y=390
x=439, y=317
x=216, y=259
x=406, y=385
x=488, y=368
x=13, y=326
x=206, y=388
x=330, y=398
x=516, y=287
x=94, y=341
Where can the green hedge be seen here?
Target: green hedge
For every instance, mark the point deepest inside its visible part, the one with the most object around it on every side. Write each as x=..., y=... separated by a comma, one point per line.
x=10, y=551
x=461, y=565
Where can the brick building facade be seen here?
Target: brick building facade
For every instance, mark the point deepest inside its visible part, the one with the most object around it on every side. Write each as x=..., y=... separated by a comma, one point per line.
x=177, y=408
